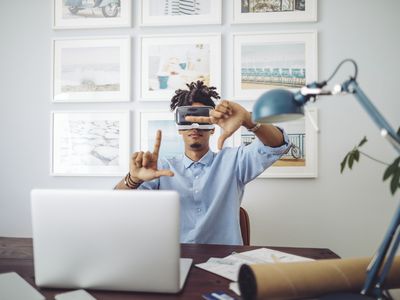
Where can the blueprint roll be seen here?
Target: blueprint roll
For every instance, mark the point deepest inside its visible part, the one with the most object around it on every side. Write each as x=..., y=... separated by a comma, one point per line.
x=308, y=279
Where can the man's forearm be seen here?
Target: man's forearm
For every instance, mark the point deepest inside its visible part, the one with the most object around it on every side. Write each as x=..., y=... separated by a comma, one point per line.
x=268, y=134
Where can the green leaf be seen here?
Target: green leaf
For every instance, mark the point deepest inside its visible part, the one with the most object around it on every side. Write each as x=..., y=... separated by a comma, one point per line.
x=392, y=169
x=351, y=160
x=343, y=163
x=356, y=155
x=394, y=183
x=363, y=141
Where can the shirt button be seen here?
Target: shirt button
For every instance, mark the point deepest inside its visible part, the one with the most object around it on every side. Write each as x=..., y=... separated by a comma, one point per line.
x=196, y=191
x=199, y=210
x=197, y=177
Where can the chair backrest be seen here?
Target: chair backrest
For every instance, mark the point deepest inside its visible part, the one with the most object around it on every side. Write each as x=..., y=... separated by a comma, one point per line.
x=245, y=226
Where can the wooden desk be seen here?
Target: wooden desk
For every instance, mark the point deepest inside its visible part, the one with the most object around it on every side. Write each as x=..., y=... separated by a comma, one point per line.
x=16, y=256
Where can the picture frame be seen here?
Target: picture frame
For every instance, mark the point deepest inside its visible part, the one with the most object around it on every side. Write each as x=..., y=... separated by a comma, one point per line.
x=169, y=62
x=79, y=14
x=148, y=122
x=266, y=61
x=178, y=12
x=301, y=160
x=90, y=143
x=273, y=11
x=91, y=69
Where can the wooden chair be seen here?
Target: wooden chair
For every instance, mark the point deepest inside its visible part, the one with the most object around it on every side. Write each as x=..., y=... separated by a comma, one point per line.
x=245, y=226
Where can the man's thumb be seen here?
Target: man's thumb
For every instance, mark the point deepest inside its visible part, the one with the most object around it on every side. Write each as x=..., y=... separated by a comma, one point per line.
x=160, y=173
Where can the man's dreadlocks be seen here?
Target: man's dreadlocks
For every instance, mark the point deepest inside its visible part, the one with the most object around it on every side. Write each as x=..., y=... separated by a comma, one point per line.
x=198, y=92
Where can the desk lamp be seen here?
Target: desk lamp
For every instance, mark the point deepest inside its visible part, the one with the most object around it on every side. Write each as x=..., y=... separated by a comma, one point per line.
x=282, y=105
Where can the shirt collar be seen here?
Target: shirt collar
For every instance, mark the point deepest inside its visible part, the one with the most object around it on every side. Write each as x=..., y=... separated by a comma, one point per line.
x=205, y=160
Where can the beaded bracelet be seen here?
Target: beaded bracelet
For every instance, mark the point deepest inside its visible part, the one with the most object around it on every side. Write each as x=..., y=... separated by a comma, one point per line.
x=130, y=183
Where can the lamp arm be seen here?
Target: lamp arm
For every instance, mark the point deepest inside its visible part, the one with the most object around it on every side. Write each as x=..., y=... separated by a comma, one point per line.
x=352, y=86
x=375, y=279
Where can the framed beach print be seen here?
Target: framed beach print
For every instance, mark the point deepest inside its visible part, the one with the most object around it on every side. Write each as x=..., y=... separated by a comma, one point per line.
x=169, y=62
x=180, y=12
x=74, y=14
x=266, y=61
x=90, y=143
x=91, y=70
x=274, y=11
x=172, y=144
x=301, y=159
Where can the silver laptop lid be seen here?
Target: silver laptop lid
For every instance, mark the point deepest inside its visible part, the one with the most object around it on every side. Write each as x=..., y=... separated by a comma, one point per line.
x=106, y=239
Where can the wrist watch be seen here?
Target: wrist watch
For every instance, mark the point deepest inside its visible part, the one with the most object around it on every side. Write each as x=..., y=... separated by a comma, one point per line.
x=255, y=127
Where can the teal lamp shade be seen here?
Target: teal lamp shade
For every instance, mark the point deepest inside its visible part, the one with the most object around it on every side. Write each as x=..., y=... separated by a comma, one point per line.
x=277, y=106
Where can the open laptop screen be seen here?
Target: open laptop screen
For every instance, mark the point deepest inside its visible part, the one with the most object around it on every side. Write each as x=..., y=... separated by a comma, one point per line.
x=106, y=239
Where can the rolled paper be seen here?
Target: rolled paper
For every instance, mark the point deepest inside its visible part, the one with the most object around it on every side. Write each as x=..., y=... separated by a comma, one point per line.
x=309, y=279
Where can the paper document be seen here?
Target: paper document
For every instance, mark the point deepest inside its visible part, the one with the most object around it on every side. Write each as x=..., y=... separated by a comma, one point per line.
x=229, y=266
x=14, y=287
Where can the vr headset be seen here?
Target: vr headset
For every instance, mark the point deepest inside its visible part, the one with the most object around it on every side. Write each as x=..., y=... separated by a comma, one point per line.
x=197, y=111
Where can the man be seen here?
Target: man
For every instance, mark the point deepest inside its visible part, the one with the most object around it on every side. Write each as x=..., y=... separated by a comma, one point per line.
x=210, y=185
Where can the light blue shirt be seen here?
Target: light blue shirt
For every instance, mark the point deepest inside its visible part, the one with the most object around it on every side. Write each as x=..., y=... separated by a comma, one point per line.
x=211, y=189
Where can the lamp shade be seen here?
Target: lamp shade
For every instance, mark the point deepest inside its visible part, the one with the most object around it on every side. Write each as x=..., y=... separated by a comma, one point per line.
x=277, y=106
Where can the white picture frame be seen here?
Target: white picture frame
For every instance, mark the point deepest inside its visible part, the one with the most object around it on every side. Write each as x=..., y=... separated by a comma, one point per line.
x=91, y=69
x=75, y=14
x=168, y=62
x=250, y=11
x=90, y=143
x=271, y=60
x=171, y=142
x=301, y=161
x=174, y=13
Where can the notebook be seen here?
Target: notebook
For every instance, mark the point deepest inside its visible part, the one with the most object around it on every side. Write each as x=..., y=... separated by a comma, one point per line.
x=108, y=239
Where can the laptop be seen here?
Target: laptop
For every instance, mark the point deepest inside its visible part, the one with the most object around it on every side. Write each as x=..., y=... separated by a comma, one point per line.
x=108, y=239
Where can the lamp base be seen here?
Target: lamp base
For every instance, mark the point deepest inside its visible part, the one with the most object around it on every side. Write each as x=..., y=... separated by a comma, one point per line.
x=345, y=296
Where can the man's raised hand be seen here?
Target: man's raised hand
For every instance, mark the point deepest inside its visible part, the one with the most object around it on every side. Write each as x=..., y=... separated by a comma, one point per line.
x=227, y=115
x=143, y=165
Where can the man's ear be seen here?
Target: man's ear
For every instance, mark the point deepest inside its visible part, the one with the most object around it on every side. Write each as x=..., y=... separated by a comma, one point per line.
x=212, y=131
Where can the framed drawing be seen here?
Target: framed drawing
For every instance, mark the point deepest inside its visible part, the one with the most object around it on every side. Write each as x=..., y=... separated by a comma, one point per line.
x=168, y=62
x=273, y=60
x=90, y=143
x=301, y=160
x=68, y=14
x=180, y=12
x=274, y=11
x=91, y=70
x=148, y=122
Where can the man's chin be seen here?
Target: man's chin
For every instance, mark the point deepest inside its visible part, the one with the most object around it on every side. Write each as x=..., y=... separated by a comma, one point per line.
x=195, y=146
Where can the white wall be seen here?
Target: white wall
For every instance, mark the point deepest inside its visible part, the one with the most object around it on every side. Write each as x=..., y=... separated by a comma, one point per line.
x=346, y=213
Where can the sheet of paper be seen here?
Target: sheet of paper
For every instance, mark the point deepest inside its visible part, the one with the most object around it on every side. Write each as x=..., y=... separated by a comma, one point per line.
x=75, y=295
x=14, y=287
x=234, y=286
x=228, y=267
